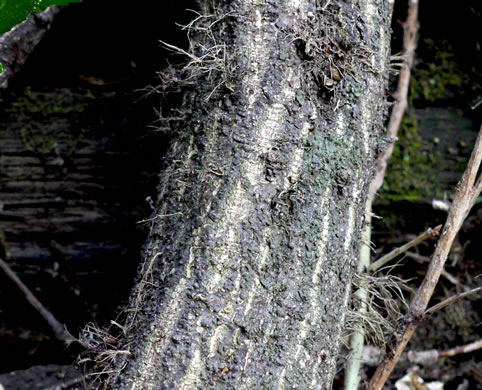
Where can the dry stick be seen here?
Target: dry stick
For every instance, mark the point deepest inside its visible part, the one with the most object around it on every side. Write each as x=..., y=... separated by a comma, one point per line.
x=450, y=300
x=61, y=333
x=421, y=259
x=427, y=357
x=410, y=29
x=462, y=349
x=465, y=197
x=397, y=251
x=352, y=377
x=430, y=356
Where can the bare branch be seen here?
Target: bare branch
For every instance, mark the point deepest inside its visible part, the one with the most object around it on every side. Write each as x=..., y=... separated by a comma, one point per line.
x=410, y=29
x=397, y=251
x=425, y=259
x=450, y=300
x=465, y=197
x=462, y=349
x=430, y=356
x=60, y=331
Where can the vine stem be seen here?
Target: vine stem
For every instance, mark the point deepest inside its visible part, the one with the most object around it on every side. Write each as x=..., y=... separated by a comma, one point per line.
x=352, y=376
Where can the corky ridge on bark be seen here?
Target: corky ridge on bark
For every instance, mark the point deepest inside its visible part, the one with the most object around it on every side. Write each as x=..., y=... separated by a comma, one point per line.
x=246, y=273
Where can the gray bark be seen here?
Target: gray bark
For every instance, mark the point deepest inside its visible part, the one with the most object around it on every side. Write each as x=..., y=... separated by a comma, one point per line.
x=246, y=274
x=17, y=44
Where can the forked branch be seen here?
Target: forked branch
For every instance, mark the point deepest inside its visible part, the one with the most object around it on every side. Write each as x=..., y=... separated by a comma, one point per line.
x=466, y=194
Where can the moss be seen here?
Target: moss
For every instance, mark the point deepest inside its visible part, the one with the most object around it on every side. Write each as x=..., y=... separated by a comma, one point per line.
x=439, y=75
x=410, y=174
x=35, y=139
x=414, y=170
x=46, y=104
x=332, y=160
x=47, y=121
x=355, y=92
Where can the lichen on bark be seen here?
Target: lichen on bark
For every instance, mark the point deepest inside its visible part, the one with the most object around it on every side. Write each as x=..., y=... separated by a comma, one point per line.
x=246, y=273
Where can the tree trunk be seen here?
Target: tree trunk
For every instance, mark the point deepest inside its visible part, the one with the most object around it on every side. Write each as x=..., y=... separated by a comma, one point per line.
x=246, y=274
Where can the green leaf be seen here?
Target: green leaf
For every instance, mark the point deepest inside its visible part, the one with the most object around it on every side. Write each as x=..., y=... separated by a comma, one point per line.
x=13, y=12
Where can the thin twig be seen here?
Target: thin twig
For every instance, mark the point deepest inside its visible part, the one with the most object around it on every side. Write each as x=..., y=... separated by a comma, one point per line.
x=425, y=259
x=430, y=356
x=371, y=354
x=462, y=349
x=397, y=251
x=60, y=331
x=410, y=29
x=352, y=369
x=450, y=300
x=158, y=216
x=465, y=198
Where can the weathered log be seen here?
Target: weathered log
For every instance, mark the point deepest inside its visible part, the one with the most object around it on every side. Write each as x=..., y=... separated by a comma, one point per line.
x=43, y=377
x=449, y=134
x=434, y=147
x=65, y=178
